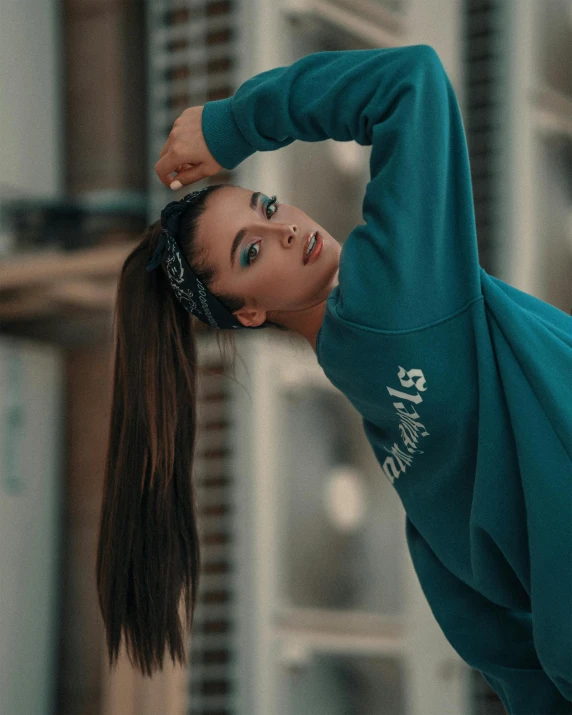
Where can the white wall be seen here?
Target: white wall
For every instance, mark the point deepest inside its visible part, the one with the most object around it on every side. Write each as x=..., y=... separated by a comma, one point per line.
x=32, y=431
x=31, y=93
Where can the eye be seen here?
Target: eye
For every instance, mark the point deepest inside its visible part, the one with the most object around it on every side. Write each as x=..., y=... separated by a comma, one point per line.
x=274, y=203
x=251, y=257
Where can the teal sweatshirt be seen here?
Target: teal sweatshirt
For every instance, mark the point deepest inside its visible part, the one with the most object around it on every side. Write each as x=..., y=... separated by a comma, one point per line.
x=464, y=383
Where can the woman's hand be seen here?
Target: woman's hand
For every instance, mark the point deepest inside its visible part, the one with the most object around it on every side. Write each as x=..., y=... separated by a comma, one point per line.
x=185, y=153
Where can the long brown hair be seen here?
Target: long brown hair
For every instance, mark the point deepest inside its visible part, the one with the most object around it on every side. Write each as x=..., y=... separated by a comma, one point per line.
x=148, y=554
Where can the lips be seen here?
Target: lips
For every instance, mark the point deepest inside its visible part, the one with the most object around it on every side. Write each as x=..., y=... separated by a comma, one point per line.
x=305, y=256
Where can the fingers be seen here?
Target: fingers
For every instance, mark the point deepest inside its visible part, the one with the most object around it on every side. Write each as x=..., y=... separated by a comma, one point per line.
x=179, y=169
x=163, y=169
x=184, y=178
x=167, y=165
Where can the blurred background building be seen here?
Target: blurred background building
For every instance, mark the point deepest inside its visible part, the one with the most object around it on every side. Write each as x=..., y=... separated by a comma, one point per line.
x=309, y=604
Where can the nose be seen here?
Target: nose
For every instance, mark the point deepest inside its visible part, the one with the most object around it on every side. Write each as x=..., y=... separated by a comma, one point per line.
x=288, y=235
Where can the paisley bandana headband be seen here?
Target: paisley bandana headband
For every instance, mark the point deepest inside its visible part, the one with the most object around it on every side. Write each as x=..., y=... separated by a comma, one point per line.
x=195, y=297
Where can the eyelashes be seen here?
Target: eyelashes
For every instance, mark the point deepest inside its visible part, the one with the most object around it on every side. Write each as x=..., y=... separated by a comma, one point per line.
x=272, y=202
x=247, y=258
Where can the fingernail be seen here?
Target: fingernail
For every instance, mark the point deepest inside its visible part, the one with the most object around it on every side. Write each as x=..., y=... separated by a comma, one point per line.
x=176, y=185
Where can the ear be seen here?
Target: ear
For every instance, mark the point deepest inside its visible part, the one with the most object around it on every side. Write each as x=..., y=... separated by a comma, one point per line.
x=250, y=317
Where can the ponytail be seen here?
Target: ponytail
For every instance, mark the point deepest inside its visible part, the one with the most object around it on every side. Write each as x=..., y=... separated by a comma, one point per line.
x=148, y=554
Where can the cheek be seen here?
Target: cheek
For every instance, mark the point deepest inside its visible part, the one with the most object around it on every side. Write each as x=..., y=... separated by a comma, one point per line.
x=277, y=282
x=277, y=286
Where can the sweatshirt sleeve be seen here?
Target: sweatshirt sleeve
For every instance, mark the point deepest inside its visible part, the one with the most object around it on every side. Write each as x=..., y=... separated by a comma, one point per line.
x=415, y=260
x=496, y=641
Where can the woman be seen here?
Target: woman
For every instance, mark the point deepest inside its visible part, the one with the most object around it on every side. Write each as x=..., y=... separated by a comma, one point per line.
x=464, y=382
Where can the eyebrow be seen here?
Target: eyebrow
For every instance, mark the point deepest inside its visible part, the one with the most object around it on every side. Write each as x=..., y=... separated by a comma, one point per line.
x=240, y=235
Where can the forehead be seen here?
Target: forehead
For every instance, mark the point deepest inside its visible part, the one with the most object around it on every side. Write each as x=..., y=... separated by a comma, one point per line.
x=224, y=203
x=227, y=210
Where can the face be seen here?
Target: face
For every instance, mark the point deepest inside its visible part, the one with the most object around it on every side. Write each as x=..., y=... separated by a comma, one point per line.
x=268, y=269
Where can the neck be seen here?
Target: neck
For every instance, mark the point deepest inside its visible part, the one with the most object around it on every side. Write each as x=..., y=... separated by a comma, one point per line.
x=305, y=322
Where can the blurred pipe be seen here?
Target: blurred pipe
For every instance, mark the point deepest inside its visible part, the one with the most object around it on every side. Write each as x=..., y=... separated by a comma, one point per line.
x=26, y=271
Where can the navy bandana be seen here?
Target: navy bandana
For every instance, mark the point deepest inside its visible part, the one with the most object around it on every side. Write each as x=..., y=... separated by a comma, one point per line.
x=195, y=297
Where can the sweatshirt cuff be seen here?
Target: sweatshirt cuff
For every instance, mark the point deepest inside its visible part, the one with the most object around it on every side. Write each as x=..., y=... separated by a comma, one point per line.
x=222, y=135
